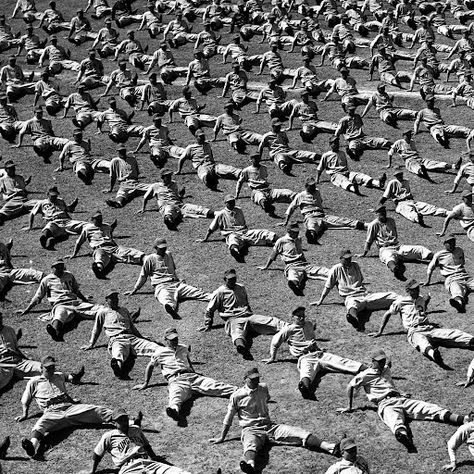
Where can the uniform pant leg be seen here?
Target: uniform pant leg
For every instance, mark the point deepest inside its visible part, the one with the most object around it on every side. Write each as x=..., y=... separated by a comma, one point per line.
x=179, y=390
x=421, y=410
x=426, y=209
x=391, y=412
x=210, y=387
x=167, y=295
x=265, y=325
x=446, y=337
x=189, y=292
x=408, y=210
x=25, y=275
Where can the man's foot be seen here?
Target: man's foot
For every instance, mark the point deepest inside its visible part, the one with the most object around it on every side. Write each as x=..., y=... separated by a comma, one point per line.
x=172, y=413
x=382, y=180
x=4, y=445
x=353, y=321
x=306, y=392
x=439, y=360
x=336, y=451
x=55, y=336
x=172, y=312
x=244, y=352
x=98, y=271
x=246, y=467
x=117, y=370
x=49, y=243
x=295, y=288
x=237, y=255
x=43, y=240
x=403, y=438
x=19, y=334
x=457, y=304
x=398, y=273
x=458, y=164
x=422, y=222
x=27, y=445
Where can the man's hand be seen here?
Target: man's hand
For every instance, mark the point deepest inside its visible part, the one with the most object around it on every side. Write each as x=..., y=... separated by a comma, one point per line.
x=316, y=303
x=268, y=361
x=262, y=267
x=21, y=418
x=87, y=347
x=106, y=191
x=69, y=256
x=204, y=329
x=344, y=410
x=128, y=293
x=140, y=386
x=59, y=169
x=425, y=283
x=450, y=467
x=374, y=334
x=26, y=228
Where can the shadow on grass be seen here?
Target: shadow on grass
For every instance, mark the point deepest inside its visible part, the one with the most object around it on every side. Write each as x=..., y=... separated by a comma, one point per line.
x=16, y=458
x=466, y=463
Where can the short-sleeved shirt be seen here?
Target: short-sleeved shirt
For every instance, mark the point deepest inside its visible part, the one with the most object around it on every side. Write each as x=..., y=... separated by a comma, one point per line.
x=430, y=117
x=124, y=170
x=398, y=190
x=172, y=361
x=80, y=103
x=228, y=123
x=290, y=250
x=157, y=136
x=350, y=127
x=466, y=171
x=38, y=128
x=51, y=210
x=308, y=203
x=359, y=466
x=333, y=162
x=97, y=236
x=230, y=303
x=307, y=112
x=185, y=107
x=57, y=289
x=46, y=392
x=13, y=184
x=9, y=351
x=412, y=312
x=114, y=321
x=451, y=264
x=384, y=234
x=77, y=151
x=160, y=269
x=299, y=338
x=123, y=447
x=250, y=406
x=228, y=221
x=255, y=176
x=377, y=385
x=464, y=213
x=349, y=281
x=200, y=68
x=405, y=149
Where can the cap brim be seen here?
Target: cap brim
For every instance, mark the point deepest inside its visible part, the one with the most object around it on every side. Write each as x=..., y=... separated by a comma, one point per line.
x=255, y=375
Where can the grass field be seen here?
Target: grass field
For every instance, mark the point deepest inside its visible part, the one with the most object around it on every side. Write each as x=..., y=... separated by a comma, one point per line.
x=203, y=265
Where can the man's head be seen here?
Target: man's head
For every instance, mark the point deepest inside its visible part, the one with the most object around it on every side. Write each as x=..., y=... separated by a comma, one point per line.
x=398, y=176
x=160, y=245
x=351, y=110
x=334, y=144
x=77, y=135
x=272, y=84
x=157, y=119
x=305, y=96
x=112, y=299
x=120, y=420
x=467, y=198
x=276, y=124
x=10, y=168
x=255, y=159
x=379, y=358
x=58, y=267
x=449, y=242
x=53, y=194
x=430, y=103
x=3, y=98
x=122, y=65
x=381, y=212
x=348, y=449
x=54, y=40
x=97, y=218
x=412, y=287
x=12, y=60
x=229, y=107
x=113, y=103
x=229, y=201
x=293, y=230
x=92, y=54
x=48, y=366
x=407, y=135
x=344, y=72
x=310, y=184
x=131, y=34
x=230, y=278
x=252, y=378
x=39, y=112
x=200, y=136
x=171, y=337
x=198, y=55
x=345, y=257
x=166, y=176
x=299, y=315
x=122, y=152
x=186, y=92
x=381, y=87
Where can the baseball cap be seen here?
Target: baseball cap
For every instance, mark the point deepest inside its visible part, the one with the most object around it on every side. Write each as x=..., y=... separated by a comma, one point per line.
x=130, y=32
x=53, y=191
x=254, y=156
x=122, y=148
x=407, y=132
x=112, y=100
x=276, y=121
x=347, y=443
x=346, y=253
x=423, y=18
x=351, y=107
x=252, y=373
x=9, y=164
x=200, y=133
x=3, y=96
x=343, y=69
x=381, y=86
x=77, y=131
x=157, y=116
x=448, y=238
x=293, y=226
x=166, y=172
x=48, y=361
x=304, y=93
x=334, y=139
x=378, y=354
x=298, y=309
x=160, y=243
x=310, y=181
x=231, y=273
x=118, y=413
x=81, y=87
x=53, y=37
x=39, y=109
x=108, y=21
x=229, y=197
x=411, y=284
x=398, y=173
x=228, y=104
x=466, y=194
x=171, y=333
x=380, y=210
x=111, y=293
x=96, y=214
x=57, y=262
x=12, y=56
